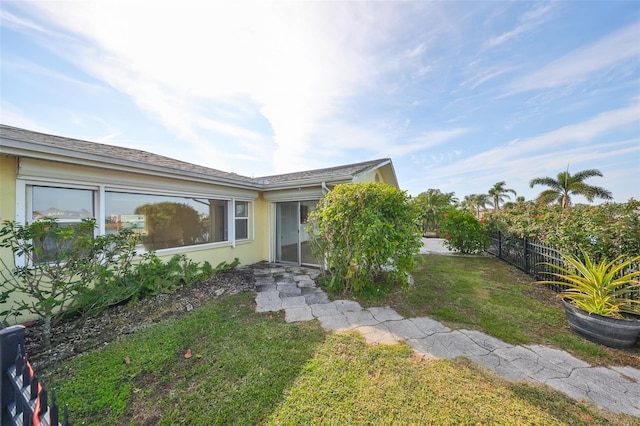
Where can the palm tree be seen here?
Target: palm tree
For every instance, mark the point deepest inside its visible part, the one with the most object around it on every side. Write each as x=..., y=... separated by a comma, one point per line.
x=433, y=203
x=499, y=193
x=475, y=202
x=566, y=185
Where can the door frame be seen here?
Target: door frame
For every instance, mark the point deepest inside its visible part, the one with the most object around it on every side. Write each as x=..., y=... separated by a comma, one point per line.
x=299, y=232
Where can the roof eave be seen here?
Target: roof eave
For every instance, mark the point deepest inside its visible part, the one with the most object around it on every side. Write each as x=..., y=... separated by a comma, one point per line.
x=372, y=168
x=307, y=183
x=51, y=153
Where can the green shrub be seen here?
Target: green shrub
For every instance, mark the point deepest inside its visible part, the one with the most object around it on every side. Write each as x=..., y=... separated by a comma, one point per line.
x=54, y=262
x=68, y=270
x=602, y=231
x=463, y=232
x=367, y=235
x=150, y=276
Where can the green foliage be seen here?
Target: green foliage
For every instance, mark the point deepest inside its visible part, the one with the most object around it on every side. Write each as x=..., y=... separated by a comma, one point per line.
x=463, y=232
x=602, y=231
x=53, y=263
x=476, y=203
x=601, y=288
x=67, y=270
x=367, y=235
x=149, y=276
x=169, y=223
x=432, y=204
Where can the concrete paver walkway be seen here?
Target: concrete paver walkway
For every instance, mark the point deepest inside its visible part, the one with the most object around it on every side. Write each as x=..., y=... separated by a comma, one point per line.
x=293, y=290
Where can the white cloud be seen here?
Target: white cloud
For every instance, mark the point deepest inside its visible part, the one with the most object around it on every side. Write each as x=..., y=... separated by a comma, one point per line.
x=107, y=138
x=426, y=140
x=279, y=55
x=476, y=176
x=482, y=76
x=19, y=65
x=266, y=87
x=580, y=64
x=527, y=22
x=10, y=20
x=552, y=149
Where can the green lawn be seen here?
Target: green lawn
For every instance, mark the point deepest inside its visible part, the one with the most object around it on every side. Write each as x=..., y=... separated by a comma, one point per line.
x=486, y=294
x=249, y=368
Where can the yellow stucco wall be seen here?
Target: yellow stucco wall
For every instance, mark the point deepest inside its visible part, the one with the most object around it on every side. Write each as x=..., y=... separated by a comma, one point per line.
x=247, y=252
x=261, y=249
x=384, y=174
x=8, y=167
x=7, y=188
x=7, y=199
x=47, y=171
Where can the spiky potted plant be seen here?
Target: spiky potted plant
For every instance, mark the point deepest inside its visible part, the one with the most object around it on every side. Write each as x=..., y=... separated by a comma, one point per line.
x=601, y=300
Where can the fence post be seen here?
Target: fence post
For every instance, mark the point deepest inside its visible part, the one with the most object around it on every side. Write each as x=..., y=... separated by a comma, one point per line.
x=499, y=245
x=10, y=338
x=526, y=256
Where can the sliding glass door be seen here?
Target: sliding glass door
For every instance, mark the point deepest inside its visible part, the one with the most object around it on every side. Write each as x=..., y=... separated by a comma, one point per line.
x=292, y=238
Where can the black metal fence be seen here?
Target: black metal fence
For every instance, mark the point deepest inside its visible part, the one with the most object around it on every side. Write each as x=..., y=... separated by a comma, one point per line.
x=24, y=398
x=527, y=255
x=532, y=257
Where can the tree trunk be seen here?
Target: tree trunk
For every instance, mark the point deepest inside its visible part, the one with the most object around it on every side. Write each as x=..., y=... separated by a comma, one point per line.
x=46, y=331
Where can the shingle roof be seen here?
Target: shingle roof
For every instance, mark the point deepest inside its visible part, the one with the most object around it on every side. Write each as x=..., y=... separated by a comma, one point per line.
x=114, y=152
x=331, y=173
x=137, y=158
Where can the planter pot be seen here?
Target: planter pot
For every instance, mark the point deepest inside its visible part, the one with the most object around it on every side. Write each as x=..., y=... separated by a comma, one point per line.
x=612, y=332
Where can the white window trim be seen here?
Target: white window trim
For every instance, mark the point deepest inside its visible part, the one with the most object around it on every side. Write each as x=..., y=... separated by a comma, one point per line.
x=24, y=192
x=250, y=229
x=23, y=206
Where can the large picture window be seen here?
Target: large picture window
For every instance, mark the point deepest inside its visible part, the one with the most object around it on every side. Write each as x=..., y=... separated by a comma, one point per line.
x=163, y=221
x=167, y=221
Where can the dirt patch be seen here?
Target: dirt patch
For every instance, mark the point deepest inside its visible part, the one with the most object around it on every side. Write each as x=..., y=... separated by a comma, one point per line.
x=77, y=335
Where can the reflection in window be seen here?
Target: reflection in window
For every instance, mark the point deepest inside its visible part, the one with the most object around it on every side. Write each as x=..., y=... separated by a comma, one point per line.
x=63, y=204
x=51, y=247
x=68, y=206
x=166, y=221
x=306, y=207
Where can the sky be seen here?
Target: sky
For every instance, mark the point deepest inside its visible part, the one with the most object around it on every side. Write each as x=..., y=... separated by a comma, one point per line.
x=460, y=95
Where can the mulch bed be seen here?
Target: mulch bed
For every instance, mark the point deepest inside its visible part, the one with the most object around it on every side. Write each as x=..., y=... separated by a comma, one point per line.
x=71, y=337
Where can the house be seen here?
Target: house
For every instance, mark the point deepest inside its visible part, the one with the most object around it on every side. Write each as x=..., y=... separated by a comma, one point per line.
x=178, y=207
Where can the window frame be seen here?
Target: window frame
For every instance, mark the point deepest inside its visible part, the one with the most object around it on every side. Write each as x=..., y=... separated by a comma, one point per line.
x=24, y=207
x=29, y=185
x=25, y=216
x=246, y=219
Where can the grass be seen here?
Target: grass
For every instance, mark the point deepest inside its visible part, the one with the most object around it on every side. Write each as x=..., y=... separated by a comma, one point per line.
x=251, y=368
x=350, y=382
x=486, y=294
x=241, y=364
